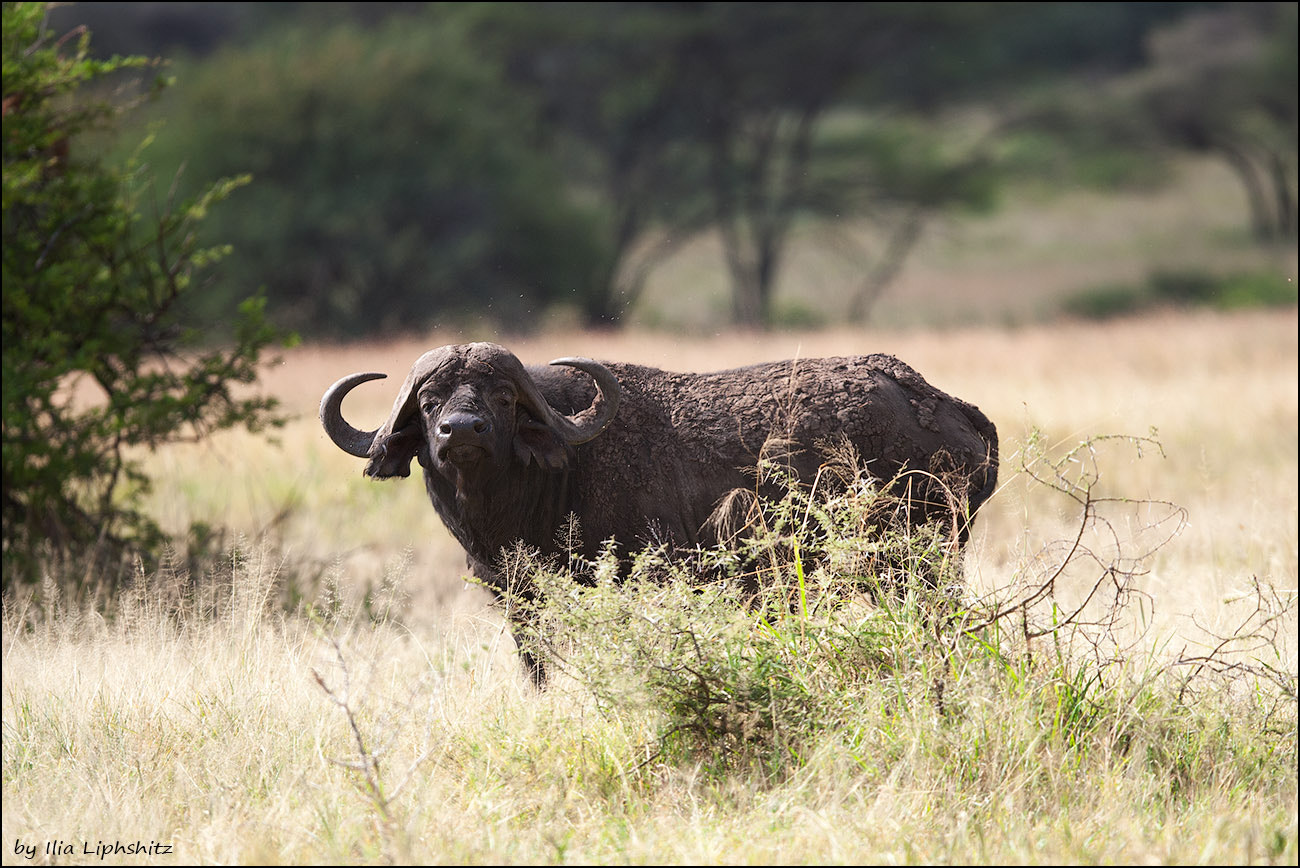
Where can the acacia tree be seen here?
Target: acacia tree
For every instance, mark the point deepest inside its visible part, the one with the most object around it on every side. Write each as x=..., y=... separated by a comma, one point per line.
x=684, y=117
x=763, y=78
x=1222, y=82
x=612, y=108
x=1214, y=79
x=687, y=116
x=95, y=357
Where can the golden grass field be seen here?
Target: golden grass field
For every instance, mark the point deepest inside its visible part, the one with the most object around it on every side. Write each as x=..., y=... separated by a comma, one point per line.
x=210, y=733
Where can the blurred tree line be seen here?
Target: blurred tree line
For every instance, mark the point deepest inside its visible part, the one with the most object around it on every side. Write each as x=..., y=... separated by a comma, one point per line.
x=416, y=162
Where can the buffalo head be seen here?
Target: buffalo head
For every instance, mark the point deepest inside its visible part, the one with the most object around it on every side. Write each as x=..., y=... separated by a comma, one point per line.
x=470, y=410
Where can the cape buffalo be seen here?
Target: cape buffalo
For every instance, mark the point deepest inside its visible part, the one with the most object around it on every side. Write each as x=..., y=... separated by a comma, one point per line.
x=641, y=455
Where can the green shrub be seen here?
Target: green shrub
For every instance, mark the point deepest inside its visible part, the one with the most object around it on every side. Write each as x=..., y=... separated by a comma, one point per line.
x=97, y=356
x=831, y=626
x=793, y=314
x=1257, y=289
x=1106, y=302
x=1183, y=289
x=751, y=650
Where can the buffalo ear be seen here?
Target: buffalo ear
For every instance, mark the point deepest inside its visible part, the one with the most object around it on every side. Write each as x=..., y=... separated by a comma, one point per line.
x=391, y=456
x=537, y=441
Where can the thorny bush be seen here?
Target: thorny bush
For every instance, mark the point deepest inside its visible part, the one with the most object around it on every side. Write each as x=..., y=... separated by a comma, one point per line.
x=827, y=603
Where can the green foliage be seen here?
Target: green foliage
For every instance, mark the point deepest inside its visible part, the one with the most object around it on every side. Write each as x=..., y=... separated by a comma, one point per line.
x=398, y=181
x=711, y=115
x=717, y=115
x=1106, y=301
x=1223, y=83
x=794, y=314
x=1255, y=289
x=1071, y=146
x=1183, y=289
x=94, y=273
x=419, y=164
x=1218, y=80
x=751, y=651
x=831, y=627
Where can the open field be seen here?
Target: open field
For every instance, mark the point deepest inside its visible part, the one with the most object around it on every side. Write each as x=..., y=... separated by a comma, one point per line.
x=1013, y=266
x=208, y=730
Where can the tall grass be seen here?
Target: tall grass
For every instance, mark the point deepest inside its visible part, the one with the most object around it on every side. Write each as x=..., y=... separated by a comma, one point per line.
x=783, y=706
x=809, y=717
x=761, y=662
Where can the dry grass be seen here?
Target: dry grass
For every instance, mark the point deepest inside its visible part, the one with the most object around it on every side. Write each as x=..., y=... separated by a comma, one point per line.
x=209, y=732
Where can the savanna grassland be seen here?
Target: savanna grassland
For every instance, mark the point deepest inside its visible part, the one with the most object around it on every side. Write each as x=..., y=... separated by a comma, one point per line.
x=328, y=689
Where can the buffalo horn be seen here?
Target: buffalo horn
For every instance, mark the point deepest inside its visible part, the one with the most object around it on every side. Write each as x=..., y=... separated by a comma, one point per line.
x=588, y=424
x=347, y=438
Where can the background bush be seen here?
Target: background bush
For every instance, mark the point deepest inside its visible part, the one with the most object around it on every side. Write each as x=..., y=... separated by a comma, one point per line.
x=398, y=181
x=1183, y=289
x=96, y=270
